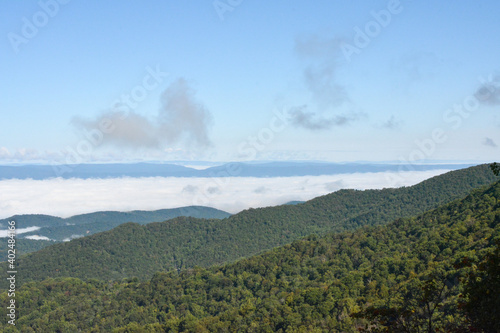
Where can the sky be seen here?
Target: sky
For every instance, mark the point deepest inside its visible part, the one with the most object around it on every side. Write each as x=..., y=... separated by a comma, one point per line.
x=238, y=80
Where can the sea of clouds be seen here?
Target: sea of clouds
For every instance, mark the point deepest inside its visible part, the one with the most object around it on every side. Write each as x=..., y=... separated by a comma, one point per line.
x=68, y=197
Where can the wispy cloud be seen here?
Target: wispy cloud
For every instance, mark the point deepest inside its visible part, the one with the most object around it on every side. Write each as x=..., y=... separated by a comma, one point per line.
x=298, y=117
x=322, y=59
x=4, y=153
x=320, y=75
x=26, y=155
x=261, y=189
x=335, y=185
x=190, y=189
x=182, y=115
x=37, y=237
x=72, y=237
x=315, y=46
x=489, y=92
x=392, y=123
x=213, y=190
x=5, y=233
x=180, y=118
x=489, y=142
x=320, y=81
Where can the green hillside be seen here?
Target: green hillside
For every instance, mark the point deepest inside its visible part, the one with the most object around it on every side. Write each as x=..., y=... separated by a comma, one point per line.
x=88, y=224
x=133, y=250
x=58, y=229
x=438, y=272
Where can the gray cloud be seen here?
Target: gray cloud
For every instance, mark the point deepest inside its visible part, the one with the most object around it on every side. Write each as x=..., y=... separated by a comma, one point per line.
x=129, y=129
x=181, y=115
x=298, y=117
x=489, y=92
x=325, y=91
x=391, y=123
x=190, y=189
x=489, y=142
x=261, y=189
x=315, y=46
x=335, y=186
x=213, y=190
x=180, y=118
x=320, y=75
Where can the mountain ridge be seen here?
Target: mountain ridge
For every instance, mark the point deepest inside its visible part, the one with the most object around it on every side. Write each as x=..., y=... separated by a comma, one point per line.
x=234, y=169
x=44, y=220
x=58, y=229
x=188, y=242
x=410, y=274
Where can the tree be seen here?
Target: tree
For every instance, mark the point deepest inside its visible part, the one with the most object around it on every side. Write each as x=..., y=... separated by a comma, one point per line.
x=495, y=167
x=481, y=293
x=416, y=308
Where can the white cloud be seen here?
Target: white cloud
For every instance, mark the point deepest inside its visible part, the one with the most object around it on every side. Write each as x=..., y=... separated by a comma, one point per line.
x=4, y=153
x=72, y=237
x=23, y=155
x=37, y=237
x=4, y=233
x=67, y=197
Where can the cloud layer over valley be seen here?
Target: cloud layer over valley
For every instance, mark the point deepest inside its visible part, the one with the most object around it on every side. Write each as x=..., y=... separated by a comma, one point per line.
x=67, y=197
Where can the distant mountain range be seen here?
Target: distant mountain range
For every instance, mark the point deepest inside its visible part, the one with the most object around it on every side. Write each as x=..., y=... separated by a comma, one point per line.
x=108, y=217
x=185, y=242
x=270, y=169
x=53, y=229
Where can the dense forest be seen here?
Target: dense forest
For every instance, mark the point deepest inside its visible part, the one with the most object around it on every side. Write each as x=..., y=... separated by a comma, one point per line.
x=436, y=272
x=132, y=250
x=63, y=229
x=137, y=216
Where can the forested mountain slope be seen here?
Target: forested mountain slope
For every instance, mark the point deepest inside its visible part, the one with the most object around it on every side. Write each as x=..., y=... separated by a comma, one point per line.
x=133, y=250
x=62, y=229
x=113, y=217
x=415, y=274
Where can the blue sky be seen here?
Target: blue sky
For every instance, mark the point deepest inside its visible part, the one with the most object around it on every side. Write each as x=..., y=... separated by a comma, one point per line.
x=242, y=80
